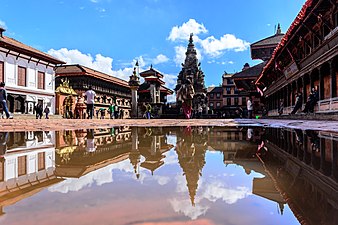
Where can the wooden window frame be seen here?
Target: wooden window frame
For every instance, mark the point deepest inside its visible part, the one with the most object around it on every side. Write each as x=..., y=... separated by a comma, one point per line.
x=2, y=72
x=19, y=76
x=22, y=171
x=41, y=83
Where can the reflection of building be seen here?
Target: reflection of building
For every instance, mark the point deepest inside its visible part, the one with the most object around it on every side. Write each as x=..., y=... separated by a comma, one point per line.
x=151, y=146
x=108, y=89
x=28, y=74
x=27, y=166
x=306, y=57
x=191, y=148
x=191, y=69
x=303, y=165
x=75, y=158
x=153, y=91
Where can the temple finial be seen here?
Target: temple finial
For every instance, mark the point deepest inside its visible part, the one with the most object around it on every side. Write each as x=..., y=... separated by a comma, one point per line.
x=279, y=30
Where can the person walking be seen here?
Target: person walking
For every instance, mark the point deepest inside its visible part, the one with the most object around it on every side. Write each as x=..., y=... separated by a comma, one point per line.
x=47, y=111
x=3, y=99
x=299, y=103
x=148, y=111
x=90, y=95
x=111, y=110
x=249, y=107
x=38, y=111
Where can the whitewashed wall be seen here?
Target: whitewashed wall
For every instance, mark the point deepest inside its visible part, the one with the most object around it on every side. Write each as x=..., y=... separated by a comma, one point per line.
x=31, y=90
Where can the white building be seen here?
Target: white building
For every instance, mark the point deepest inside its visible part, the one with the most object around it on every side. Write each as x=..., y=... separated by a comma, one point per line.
x=28, y=74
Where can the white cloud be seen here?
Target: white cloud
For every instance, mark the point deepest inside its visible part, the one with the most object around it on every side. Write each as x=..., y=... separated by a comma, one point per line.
x=216, y=190
x=3, y=24
x=100, y=63
x=215, y=47
x=94, y=1
x=231, y=62
x=160, y=59
x=183, y=32
x=210, y=46
x=185, y=207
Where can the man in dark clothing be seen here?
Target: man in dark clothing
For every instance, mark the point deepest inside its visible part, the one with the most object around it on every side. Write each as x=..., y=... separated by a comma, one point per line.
x=3, y=99
x=299, y=103
x=311, y=102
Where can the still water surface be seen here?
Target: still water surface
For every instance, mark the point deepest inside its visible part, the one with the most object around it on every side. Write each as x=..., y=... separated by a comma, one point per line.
x=169, y=176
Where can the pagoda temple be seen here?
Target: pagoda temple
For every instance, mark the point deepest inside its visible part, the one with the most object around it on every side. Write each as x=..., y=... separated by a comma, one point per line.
x=191, y=69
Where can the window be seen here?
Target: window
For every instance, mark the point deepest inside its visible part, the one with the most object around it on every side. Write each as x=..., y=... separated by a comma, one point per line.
x=243, y=100
x=211, y=105
x=236, y=91
x=218, y=105
x=22, y=165
x=228, y=90
x=218, y=95
x=41, y=80
x=236, y=101
x=41, y=161
x=228, y=101
x=230, y=81
x=212, y=95
x=22, y=76
x=2, y=72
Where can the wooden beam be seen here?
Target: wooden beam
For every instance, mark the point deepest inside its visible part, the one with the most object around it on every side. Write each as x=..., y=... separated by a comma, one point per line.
x=312, y=31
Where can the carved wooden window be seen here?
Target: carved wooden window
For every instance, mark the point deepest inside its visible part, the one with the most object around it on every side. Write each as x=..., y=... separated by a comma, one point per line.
x=243, y=100
x=22, y=165
x=41, y=161
x=41, y=80
x=236, y=101
x=228, y=101
x=2, y=72
x=22, y=76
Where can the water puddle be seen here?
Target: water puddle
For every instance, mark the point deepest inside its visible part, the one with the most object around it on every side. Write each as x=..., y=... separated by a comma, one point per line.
x=169, y=175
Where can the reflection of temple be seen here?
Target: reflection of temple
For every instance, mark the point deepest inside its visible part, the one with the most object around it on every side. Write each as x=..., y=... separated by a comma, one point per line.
x=191, y=148
x=304, y=166
x=76, y=157
x=27, y=165
x=151, y=143
x=191, y=70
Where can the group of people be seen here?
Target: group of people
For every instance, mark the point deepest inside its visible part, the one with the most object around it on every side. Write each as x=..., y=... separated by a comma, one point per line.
x=309, y=105
x=39, y=111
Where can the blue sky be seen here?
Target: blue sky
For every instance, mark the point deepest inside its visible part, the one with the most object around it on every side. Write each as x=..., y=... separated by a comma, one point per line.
x=109, y=35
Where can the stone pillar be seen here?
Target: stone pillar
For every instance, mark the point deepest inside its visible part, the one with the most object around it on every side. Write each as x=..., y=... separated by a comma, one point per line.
x=333, y=76
x=134, y=103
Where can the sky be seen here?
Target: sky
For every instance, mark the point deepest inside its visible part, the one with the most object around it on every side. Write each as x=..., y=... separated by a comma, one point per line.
x=110, y=35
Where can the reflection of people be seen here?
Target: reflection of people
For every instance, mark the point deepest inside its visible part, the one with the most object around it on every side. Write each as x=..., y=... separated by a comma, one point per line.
x=90, y=141
x=90, y=94
x=281, y=107
x=314, y=139
x=186, y=94
x=299, y=136
x=3, y=143
x=250, y=133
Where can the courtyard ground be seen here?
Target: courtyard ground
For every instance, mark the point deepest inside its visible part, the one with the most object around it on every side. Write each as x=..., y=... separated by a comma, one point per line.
x=72, y=124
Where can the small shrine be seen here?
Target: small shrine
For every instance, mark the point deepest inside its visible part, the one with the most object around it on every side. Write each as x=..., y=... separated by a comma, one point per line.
x=65, y=99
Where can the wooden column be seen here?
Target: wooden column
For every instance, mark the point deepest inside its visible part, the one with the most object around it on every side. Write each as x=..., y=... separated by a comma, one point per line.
x=335, y=159
x=287, y=95
x=304, y=90
x=333, y=76
x=321, y=85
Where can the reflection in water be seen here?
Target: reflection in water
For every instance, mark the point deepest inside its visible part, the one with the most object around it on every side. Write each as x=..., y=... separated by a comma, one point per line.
x=295, y=169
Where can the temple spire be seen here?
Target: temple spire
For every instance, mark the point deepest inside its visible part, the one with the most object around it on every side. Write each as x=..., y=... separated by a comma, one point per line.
x=279, y=30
